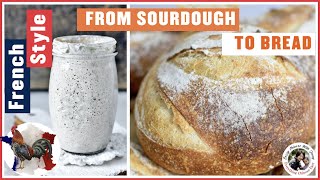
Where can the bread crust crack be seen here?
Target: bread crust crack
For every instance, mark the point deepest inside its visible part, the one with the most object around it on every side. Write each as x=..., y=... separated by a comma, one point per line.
x=277, y=106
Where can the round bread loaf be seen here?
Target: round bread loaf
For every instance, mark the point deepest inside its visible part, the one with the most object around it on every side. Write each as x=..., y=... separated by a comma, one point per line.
x=146, y=47
x=198, y=112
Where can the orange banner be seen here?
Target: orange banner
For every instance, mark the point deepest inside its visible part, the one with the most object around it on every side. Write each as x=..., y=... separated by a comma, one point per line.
x=160, y=19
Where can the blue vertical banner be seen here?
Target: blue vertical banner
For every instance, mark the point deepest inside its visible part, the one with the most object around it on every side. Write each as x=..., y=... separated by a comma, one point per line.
x=17, y=77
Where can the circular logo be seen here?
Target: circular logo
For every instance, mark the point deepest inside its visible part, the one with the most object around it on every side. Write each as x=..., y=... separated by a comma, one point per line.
x=299, y=159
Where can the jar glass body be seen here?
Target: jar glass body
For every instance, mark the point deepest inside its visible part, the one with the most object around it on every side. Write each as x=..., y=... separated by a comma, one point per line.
x=83, y=92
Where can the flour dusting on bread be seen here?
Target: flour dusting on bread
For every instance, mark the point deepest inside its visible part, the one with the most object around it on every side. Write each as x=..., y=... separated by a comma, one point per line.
x=248, y=104
x=240, y=109
x=175, y=78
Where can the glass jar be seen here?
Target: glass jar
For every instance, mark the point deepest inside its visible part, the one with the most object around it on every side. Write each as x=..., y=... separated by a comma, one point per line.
x=83, y=92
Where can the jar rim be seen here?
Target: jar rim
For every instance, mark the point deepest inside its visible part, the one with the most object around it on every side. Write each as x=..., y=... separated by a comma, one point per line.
x=83, y=45
x=85, y=56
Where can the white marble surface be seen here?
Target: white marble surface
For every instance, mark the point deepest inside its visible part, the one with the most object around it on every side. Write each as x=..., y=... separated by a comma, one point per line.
x=39, y=100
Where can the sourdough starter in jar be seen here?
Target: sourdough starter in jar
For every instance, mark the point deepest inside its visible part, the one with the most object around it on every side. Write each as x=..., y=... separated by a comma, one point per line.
x=83, y=92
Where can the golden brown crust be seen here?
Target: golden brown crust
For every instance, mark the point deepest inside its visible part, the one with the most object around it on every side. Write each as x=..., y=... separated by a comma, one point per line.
x=256, y=153
x=199, y=112
x=288, y=19
x=141, y=165
x=194, y=162
x=146, y=47
x=307, y=65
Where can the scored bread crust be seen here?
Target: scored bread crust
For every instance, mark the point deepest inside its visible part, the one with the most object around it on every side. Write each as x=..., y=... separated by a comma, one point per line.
x=198, y=112
x=146, y=47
